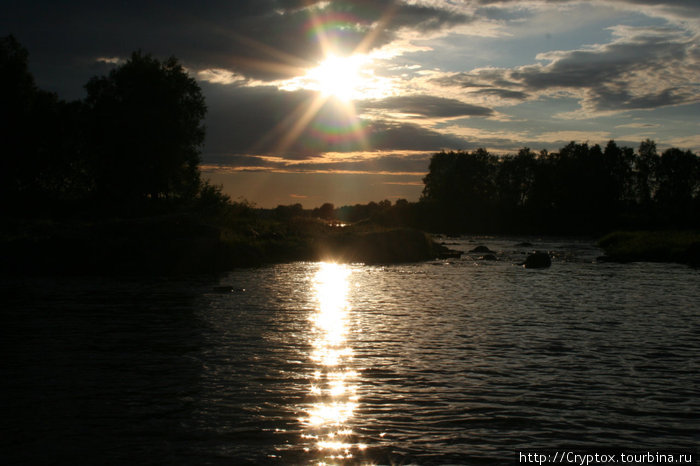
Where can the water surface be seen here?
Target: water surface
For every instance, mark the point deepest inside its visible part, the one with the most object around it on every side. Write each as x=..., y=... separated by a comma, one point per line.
x=462, y=361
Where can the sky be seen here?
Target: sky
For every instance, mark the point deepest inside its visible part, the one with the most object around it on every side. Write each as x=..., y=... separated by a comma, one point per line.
x=346, y=101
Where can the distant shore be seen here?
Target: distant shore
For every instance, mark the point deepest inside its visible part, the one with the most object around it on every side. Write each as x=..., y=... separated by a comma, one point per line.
x=652, y=246
x=188, y=243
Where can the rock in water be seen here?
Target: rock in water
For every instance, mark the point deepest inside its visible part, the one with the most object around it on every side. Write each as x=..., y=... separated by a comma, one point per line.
x=692, y=254
x=538, y=260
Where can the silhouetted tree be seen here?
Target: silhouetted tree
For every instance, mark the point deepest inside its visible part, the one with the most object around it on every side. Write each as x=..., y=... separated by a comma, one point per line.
x=18, y=94
x=619, y=163
x=287, y=212
x=41, y=160
x=145, y=131
x=327, y=211
x=645, y=172
x=579, y=189
x=516, y=176
x=678, y=176
x=461, y=186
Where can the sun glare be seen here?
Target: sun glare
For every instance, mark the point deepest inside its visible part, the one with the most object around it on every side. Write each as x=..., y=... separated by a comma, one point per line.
x=339, y=77
x=334, y=384
x=345, y=78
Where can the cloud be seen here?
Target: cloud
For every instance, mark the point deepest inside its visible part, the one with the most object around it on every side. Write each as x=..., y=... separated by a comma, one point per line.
x=686, y=142
x=638, y=125
x=219, y=76
x=425, y=106
x=110, y=60
x=684, y=12
x=387, y=163
x=407, y=136
x=568, y=136
x=266, y=121
x=260, y=39
x=504, y=94
x=642, y=68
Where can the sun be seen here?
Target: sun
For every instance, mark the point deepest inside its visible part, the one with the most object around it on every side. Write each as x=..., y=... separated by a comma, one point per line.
x=340, y=77
x=343, y=77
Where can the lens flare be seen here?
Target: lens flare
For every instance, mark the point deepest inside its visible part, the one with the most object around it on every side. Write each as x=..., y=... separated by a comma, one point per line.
x=324, y=25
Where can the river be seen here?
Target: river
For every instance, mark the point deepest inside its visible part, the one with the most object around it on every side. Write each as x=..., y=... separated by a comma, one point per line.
x=460, y=361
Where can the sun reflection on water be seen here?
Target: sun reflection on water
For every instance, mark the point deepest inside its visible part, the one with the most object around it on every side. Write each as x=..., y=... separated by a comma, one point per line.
x=333, y=383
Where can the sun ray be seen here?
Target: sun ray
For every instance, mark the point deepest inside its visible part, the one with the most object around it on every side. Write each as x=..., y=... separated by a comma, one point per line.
x=279, y=62
x=293, y=134
x=366, y=42
x=339, y=77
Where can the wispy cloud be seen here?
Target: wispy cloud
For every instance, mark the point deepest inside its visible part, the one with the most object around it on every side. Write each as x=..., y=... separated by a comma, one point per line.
x=219, y=76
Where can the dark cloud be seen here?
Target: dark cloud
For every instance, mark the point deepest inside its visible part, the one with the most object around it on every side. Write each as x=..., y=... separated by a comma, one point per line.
x=611, y=99
x=423, y=18
x=426, y=106
x=486, y=78
x=265, y=39
x=241, y=120
x=397, y=136
x=259, y=120
x=584, y=68
x=384, y=163
x=238, y=161
x=393, y=163
x=502, y=93
x=494, y=7
x=641, y=69
x=682, y=8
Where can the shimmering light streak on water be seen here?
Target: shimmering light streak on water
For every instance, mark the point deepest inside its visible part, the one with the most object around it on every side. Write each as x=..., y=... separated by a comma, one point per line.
x=332, y=386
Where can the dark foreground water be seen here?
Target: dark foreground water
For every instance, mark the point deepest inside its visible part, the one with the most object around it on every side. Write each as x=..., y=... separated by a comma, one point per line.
x=462, y=362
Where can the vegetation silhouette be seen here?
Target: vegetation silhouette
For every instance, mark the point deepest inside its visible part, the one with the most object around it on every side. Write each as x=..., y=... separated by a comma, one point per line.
x=579, y=189
x=41, y=160
x=145, y=131
x=133, y=143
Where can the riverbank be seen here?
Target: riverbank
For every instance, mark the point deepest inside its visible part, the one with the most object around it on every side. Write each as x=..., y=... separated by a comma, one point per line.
x=185, y=243
x=652, y=246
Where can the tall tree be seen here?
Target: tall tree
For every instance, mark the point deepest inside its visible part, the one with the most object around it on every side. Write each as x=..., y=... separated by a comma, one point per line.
x=17, y=95
x=645, y=170
x=145, y=130
x=619, y=163
x=461, y=186
x=678, y=175
x=40, y=162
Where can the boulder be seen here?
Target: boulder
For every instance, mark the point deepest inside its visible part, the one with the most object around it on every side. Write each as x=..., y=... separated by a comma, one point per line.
x=482, y=250
x=692, y=254
x=537, y=260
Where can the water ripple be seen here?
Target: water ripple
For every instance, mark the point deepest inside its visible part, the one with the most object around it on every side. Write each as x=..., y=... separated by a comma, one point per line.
x=458, y=362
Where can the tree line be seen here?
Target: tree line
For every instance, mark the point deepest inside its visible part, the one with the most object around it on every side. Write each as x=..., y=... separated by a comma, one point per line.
x=581, y=188
x=133, y=141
